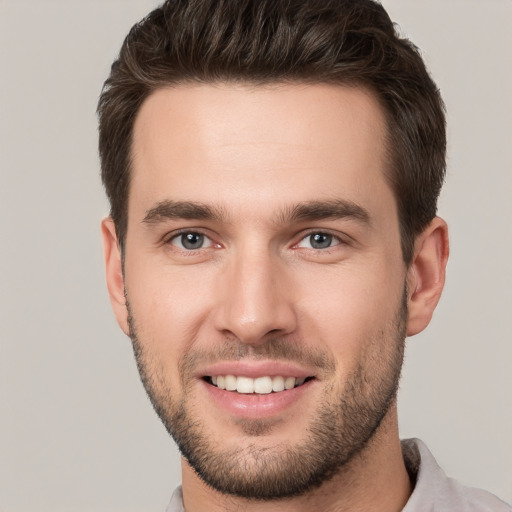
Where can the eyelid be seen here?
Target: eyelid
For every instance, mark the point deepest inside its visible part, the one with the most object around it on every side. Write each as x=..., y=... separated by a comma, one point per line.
x=341, y=238
x=168, y=238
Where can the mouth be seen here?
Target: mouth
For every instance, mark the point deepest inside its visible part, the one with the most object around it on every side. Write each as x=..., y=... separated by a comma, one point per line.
x=263, y=385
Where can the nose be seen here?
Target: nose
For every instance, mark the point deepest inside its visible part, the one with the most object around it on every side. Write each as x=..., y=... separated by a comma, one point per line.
x=254, y=299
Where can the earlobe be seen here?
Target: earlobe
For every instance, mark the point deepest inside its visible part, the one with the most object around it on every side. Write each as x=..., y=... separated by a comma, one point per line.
x=114, y=272
x=426, y=275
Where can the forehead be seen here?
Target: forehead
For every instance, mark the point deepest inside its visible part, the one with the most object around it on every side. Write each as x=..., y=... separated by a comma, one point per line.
x=236, y=144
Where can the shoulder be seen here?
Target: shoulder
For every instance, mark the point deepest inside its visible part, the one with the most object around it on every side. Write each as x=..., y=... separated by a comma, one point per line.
x=435, y=492
x=176, y=503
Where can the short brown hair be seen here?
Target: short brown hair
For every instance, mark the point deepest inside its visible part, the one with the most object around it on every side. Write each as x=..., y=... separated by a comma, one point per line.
x=349, y=42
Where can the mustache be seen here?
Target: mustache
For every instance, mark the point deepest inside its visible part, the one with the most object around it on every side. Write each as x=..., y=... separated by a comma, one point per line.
x=275, y=349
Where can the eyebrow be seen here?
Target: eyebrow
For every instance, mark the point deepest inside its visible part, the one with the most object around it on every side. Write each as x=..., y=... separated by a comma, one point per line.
x=330, y=209
x=168, y=209
x=307, y=211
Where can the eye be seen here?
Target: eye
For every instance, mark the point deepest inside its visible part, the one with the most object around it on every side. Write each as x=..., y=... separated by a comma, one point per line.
x=191, y=241
x=318, y=241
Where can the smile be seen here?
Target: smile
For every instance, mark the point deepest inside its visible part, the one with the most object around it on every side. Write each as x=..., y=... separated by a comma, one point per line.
x=260, y=385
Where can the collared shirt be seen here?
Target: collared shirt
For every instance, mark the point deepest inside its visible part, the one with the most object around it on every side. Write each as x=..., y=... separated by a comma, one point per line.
x=433, y=490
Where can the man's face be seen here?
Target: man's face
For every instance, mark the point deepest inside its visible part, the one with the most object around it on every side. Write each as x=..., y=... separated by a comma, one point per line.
x=263, y=252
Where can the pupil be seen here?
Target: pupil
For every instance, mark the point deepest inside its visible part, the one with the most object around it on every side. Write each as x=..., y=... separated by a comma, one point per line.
x=320, y=240
x=192, y=240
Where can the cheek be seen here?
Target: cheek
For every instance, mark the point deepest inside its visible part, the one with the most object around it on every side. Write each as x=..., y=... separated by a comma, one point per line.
x=169, y=303
x=348, y=308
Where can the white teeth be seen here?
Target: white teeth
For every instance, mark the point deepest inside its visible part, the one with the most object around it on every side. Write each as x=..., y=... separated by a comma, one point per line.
x=263, y=385
x=245, y=385
x=260, y=385
x=289, y=383
x=230, y=381
x=278, y=384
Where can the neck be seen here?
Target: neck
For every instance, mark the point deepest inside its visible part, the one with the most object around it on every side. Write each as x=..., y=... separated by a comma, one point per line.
x=375, y=479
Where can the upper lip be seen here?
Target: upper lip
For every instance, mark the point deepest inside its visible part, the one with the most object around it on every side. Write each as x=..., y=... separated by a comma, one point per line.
x=255, y=369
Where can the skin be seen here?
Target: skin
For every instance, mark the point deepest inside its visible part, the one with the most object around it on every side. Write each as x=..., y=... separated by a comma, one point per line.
x=253, y=154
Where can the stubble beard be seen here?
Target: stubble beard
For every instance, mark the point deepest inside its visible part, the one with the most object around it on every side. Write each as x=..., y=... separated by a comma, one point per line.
x=340, y=429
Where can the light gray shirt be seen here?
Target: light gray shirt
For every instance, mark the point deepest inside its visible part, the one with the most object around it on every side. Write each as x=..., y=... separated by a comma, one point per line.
x=433, y=490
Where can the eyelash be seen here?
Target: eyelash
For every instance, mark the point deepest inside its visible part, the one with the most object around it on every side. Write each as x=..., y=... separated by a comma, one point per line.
x=335, y=238
x=176, y=234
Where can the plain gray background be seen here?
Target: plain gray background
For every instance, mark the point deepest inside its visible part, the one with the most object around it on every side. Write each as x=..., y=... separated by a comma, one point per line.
x=77, y=432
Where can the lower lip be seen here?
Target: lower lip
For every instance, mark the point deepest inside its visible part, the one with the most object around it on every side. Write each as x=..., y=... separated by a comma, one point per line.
x=254, y=406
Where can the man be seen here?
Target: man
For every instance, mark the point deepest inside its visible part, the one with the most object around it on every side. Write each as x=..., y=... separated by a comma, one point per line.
x=273, y=169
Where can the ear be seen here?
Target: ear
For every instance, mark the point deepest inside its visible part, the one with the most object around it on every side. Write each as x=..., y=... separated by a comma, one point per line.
x=426, y=275
x=114, y=272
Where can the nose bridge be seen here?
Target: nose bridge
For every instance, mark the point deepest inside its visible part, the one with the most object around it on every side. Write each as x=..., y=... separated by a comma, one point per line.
x=255, y=300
